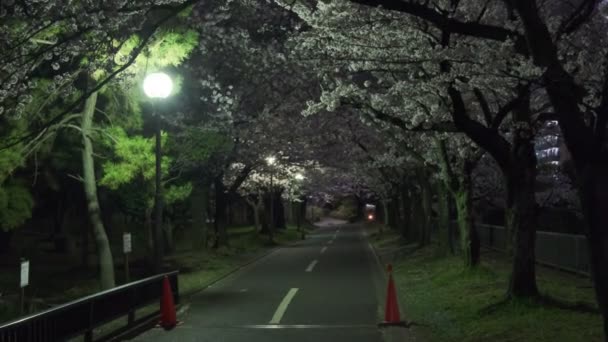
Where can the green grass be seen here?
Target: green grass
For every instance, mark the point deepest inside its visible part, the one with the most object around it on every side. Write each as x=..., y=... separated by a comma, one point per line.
x=453, y=304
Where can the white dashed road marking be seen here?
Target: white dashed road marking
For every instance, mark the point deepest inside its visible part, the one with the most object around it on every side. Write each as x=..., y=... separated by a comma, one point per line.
x=311, y=266
x=278, y=315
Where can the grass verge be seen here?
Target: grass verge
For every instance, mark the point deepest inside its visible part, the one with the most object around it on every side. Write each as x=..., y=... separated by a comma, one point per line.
x=453, y=304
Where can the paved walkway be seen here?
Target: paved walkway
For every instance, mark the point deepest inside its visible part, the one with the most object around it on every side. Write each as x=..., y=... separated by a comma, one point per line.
x=322, y=289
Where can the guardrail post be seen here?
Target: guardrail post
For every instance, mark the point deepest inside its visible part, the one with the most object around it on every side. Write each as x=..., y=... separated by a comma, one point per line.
x=88, y=336
x=131, y=317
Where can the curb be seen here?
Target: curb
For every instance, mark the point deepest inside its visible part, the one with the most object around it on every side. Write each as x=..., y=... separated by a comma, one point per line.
x=390, y=333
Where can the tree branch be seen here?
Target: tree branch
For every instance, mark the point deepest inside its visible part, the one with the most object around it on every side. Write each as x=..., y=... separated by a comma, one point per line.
x=422, y=11
x=485, y=137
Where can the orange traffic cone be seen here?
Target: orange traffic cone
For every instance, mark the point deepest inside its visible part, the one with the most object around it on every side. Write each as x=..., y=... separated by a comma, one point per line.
x=391, y=310
x=168, y=318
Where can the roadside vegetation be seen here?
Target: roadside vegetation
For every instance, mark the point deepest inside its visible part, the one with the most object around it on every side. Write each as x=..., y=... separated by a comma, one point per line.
x=447, y=302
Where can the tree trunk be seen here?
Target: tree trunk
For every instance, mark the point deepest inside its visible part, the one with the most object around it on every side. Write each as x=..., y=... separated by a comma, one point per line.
x=521, y=204
x=443, y=224
x=104, y=254
x=396, y=220
x=427, y=207
x=289, y=213
x=521, y=220
x=221, y=236
x=387, y=215
x=268, y=226
x=198, y=210
x=594, y=196
x=255, y=207
x=451, y=183
x=414, y=216
x=451, y=231
x=150, y=229
x=169, y=239
x=256, y=217
x=416, y=219
x=279, y=211
x=264, y=229
x=360, y=208
x=406, y=228
x=469, y=240
x=84, y=247
x=59, y=235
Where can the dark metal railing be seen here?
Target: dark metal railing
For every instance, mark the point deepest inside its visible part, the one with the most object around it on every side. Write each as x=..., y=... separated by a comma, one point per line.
x=82, y=316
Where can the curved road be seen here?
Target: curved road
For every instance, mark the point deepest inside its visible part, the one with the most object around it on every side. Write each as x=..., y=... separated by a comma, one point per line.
x=321, y=289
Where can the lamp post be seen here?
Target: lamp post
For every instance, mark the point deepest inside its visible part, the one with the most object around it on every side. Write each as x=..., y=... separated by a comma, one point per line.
x=299, y=177
x=271, y=161
x=158, y=86
x=312, y=218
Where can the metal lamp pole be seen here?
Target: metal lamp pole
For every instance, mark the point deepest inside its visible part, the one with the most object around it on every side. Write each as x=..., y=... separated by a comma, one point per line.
x=158, y=86
x=299, y=177
x=271, y=160
x=158, y=202
x=271, y=205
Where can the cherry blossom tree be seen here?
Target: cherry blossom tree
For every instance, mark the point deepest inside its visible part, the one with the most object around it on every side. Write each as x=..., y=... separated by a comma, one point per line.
x=567, y=42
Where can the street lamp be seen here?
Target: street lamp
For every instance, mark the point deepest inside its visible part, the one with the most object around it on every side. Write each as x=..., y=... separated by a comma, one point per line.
x=312, y=213
x=271, y=161
x=299, y=177
x=158, y=85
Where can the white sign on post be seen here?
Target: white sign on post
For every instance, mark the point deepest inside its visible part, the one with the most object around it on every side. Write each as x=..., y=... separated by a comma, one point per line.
x=126, y=243
x=25, y=273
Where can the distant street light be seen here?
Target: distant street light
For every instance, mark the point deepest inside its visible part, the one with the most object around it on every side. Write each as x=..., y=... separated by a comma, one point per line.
x=299, y=177
x=271, y=160
x=158, y=85
x=312, y=213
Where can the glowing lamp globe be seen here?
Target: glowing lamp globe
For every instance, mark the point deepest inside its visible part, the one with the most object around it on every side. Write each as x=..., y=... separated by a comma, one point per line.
x=158, y=85
x=271, y=160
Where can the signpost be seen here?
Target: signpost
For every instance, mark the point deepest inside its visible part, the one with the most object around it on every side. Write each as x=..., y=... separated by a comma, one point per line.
x=126, y=249
x=24, y=281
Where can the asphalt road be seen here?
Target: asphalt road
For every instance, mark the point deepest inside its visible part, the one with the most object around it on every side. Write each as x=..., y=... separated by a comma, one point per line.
x=322, y=289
